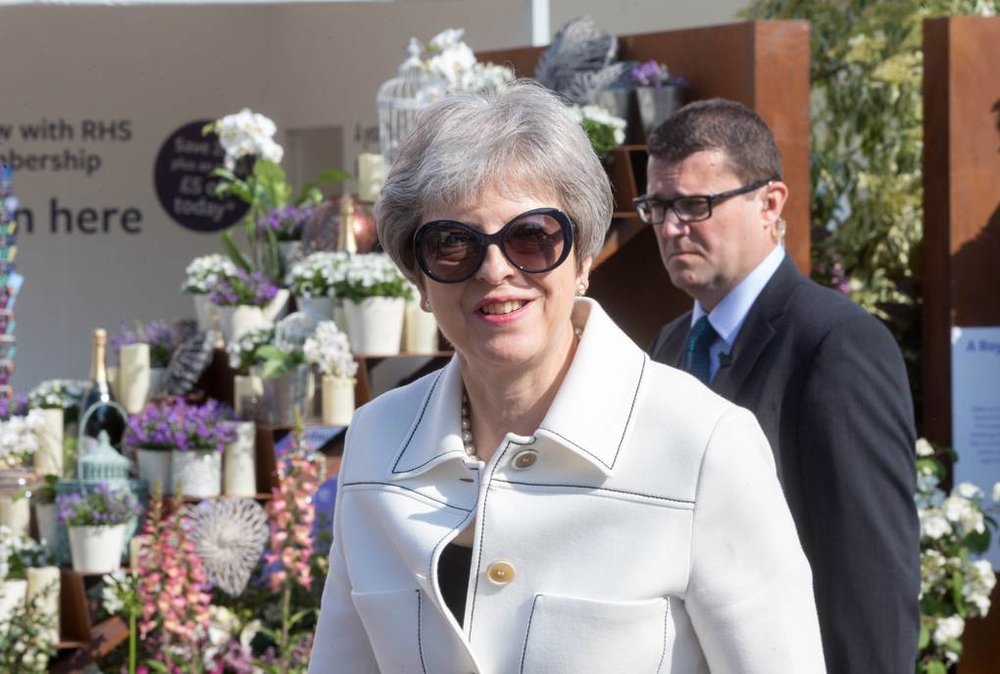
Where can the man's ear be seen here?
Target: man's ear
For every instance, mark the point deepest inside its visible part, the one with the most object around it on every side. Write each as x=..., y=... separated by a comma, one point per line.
x=775, y=196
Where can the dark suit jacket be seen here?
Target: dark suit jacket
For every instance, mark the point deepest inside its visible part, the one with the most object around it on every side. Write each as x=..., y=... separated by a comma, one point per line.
x=828, y=385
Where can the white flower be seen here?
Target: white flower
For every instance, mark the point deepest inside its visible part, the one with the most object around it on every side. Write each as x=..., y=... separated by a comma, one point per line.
x=924, y=448
x=247, y=133
x=315, y=274
x=955, y=508
x=329, y=349
x=933, y=524
x=969, y=491
x=948, y=629
x=20, y=438
x=203, y=272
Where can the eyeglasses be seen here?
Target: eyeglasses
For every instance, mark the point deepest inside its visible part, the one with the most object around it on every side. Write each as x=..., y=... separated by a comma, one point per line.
x=535, y=242
x=693, y=208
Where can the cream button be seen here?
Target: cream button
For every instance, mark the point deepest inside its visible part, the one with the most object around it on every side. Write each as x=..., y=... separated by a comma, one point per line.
x=500, y=573
x=524, y=459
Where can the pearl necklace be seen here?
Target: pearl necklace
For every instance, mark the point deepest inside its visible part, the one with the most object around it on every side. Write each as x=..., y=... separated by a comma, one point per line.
x=467, y=440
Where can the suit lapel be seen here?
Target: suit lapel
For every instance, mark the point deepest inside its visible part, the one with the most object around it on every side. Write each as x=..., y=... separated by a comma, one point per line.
x=758, y=330
x=668, y=347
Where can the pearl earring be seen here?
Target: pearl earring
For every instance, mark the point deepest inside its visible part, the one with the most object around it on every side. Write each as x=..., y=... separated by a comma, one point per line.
x=427, y=304
x=581, y=288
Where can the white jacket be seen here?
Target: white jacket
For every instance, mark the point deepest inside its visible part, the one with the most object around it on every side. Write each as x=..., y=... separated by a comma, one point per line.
x=643, y=528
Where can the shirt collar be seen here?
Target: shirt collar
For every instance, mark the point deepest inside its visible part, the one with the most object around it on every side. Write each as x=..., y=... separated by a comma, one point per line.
x=728, y=316
x=591, y=415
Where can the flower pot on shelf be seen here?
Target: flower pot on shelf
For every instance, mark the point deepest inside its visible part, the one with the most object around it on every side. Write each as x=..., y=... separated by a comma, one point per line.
x=277, y=307
x=420, y=331
x=154, y=465
x=317, y=308
x=45, y=518
x=623, y=103
x=15, y=514
x=48, y=459
x=338, y=400
x=375, y=325
x=157, y=382
x=96, y=549
x=196, y=473
x=44, y=583
x=282, y=395
x=239, y=462
x=658, y=103
x=289, y=252
x=235, y=320
x=204, y=312
x=133, y=376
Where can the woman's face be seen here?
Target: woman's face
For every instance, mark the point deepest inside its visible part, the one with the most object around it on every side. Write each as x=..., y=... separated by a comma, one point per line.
x=502, y=317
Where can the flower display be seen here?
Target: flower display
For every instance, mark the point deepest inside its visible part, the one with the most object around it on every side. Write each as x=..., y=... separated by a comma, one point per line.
x=953, y=585
x=247, y=134
x=159, y=335
x=174, y=424
x=25, y=640
x=453, y=67
x=65, y=394
x=104, y=506
x=654, y=74
x=369, y=275
x=242, y=351
x=316, y=274
x=202, y=273
x=18, y=553
x=605, y=131
x=287, y=221
x=19, y=439
x=172, y=588
x=242, y=288
x=329, y=349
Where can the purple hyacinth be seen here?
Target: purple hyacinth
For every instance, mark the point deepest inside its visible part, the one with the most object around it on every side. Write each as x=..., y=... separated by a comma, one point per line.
x=174, y=424
x=286, y=221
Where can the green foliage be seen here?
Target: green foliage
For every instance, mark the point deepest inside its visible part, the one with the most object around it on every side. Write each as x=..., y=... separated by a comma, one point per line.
x=867, y=146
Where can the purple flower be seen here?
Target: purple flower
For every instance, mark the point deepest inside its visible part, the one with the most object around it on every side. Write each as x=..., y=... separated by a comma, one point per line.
x=102, y=506
x=286, y=221
x=653, y=74
x=175, y=424
x=159, y=335
x=13, y=407
x=255, y=289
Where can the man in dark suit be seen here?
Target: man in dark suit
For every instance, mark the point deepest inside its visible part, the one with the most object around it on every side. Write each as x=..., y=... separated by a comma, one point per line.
x=825, y=379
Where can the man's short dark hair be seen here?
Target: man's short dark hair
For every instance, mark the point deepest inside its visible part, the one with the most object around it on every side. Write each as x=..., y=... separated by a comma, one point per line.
x=719, y=124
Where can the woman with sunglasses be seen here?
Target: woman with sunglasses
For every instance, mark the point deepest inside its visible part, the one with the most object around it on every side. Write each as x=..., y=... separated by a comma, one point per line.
x=551, y=500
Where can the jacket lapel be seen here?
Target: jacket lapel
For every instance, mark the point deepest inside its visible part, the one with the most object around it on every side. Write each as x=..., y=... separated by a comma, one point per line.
x=758, y=330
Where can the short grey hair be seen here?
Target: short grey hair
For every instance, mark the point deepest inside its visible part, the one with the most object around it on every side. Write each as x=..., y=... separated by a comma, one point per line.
x=522, y=141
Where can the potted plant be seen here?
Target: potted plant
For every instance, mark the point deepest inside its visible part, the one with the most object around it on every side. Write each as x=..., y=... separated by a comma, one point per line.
x=284, y=375
x=199, y=277
x=144, y=353
x=329, y=350
x=59, y=400
x=605, y=131
x=241, y=298
x=243, y=357
x=311, y=280
x=29, y=599
x=96, y=523
x=374, y=292
x=201, y=436
x=660, y=94
x=20, y=442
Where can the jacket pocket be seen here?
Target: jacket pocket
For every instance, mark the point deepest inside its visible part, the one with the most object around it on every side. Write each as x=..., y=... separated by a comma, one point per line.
x=579, y=636
x=392, y=620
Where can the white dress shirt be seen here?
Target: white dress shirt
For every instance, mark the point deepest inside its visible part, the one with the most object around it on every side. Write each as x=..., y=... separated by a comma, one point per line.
x=728, y=316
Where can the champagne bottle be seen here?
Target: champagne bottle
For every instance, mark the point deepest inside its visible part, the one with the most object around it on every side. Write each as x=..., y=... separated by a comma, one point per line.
x=98, y=411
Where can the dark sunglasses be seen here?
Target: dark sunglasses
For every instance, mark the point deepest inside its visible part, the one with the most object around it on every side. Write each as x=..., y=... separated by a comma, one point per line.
x=535, y=242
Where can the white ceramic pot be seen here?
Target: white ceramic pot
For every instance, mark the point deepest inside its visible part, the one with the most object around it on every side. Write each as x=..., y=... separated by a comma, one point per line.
x=338, y=400
x=196, y=473
x=15, y=515
x=44, y=583
x=204, y=312
x=12, y=595
x=375, y=325
x=96, y=549
x=278, y=307
x=239, y=462
x=234, y=321
x=420, y=331
x=317, y=308
x=48, y=458
x=133, y=376
x=154, y=465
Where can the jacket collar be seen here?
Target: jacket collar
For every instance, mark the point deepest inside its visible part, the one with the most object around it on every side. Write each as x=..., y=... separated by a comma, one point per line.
x=590, y=417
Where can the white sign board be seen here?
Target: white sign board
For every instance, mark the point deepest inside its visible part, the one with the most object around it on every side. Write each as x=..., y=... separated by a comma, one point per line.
x=975, y=410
